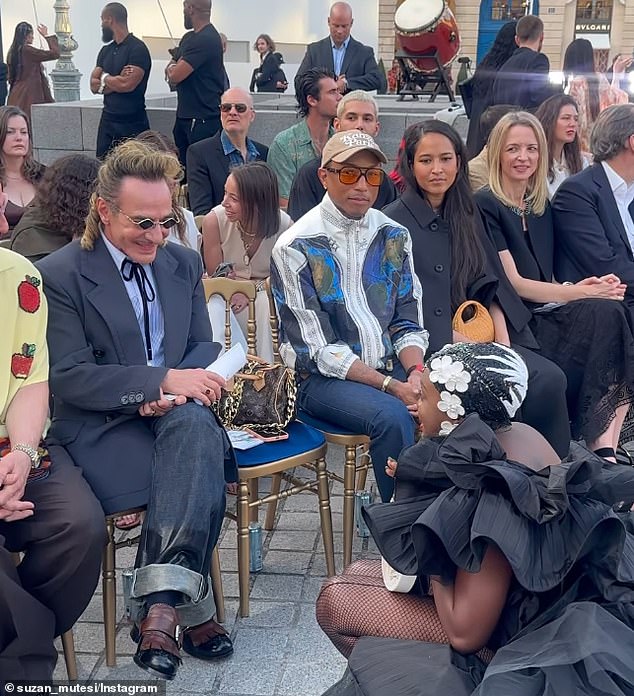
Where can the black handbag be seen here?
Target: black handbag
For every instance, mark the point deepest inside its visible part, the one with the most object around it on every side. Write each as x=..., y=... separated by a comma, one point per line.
x=263, y=397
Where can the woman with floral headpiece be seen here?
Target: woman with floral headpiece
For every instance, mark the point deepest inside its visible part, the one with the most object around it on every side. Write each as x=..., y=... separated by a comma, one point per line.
x=498, y=557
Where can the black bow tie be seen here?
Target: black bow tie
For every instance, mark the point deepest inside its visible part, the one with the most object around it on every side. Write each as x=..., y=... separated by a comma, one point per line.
x=130, y=270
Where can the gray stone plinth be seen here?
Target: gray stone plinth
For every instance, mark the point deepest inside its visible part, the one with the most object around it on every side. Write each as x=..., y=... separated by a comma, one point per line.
x=72, y=127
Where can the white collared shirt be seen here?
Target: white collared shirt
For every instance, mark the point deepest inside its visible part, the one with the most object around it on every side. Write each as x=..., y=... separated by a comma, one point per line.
x=623, y=195
x=155, y=310
x=338, y=54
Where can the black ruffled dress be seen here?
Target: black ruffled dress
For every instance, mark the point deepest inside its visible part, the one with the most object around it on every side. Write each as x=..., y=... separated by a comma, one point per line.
x=567, y=627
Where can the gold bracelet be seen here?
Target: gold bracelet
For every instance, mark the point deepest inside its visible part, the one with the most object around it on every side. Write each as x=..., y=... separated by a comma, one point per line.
x=386, y=383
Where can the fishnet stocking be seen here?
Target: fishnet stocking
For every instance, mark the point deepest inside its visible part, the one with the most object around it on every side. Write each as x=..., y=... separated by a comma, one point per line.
x=357, y=604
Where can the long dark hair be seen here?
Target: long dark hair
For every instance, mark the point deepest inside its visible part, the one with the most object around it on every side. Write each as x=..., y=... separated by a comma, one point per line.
x=64, y=193
x=548, y=113
x=502, y=49
x=14, y=56
x=579, y=62
x=259, y=198
x=458, y=208
x=31, y=169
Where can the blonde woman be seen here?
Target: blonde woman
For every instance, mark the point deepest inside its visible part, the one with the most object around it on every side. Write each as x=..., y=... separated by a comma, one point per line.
x=583, y=327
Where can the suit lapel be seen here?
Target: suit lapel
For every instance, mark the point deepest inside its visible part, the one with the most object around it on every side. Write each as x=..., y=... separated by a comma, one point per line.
x=347, y=56
x=326, y=58
x=109, y=298
x=605, y=194
x=175, y=294
x=542, y=244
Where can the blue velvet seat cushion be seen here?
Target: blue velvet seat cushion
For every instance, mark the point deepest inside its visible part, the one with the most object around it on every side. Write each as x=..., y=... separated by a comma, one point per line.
x=325, y=426
x=301, y=438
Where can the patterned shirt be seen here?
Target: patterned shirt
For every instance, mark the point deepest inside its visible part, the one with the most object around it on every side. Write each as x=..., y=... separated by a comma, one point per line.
x=345, y=291
x=234, y=154
x=289, y=152
x=23, y=336
x=157, y=325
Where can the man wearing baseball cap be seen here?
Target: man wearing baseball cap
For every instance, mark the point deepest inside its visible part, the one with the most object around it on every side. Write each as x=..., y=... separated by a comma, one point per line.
x=350, y=307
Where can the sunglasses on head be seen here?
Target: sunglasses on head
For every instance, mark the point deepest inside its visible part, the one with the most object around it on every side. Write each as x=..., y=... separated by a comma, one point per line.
x=350, y=175
x=227, y=106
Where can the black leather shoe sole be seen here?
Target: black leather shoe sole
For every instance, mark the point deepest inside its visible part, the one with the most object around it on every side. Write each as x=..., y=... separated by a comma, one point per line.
x=158, y=663
x=214, y=649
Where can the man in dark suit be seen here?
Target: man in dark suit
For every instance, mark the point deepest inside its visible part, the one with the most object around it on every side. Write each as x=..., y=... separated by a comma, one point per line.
x=209, y=161
x=594, y=229
x=523, y=80
x=352, y=62
x=129, y=338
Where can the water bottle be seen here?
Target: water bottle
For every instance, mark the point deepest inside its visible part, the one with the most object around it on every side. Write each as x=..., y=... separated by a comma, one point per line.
x=361, y=499
x=255, y=547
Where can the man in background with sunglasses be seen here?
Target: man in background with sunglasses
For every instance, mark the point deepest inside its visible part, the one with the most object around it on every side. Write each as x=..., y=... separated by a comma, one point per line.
x=210, y=160
x=350, y=307
x=129, y=338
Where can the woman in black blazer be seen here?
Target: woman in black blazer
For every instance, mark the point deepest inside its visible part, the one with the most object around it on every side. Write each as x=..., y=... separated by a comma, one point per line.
x=269, y=77
x=455, y=261
x=583, y=327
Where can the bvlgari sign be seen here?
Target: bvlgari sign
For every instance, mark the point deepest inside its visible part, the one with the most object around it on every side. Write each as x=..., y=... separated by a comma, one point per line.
x=587, y=26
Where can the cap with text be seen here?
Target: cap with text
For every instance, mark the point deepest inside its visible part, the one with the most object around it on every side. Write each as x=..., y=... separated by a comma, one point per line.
x=345, y=144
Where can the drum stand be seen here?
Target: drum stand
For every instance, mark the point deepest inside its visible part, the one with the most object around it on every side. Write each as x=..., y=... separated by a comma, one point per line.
x=414, y=81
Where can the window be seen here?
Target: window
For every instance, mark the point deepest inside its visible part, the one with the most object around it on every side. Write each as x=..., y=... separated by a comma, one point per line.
x=506, y=10
x=597, y=10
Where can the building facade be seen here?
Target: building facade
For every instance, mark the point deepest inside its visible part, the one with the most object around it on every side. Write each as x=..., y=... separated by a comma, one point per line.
x=608, y=24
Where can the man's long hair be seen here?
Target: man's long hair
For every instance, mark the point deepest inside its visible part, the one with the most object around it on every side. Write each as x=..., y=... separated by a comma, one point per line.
x=133, y=159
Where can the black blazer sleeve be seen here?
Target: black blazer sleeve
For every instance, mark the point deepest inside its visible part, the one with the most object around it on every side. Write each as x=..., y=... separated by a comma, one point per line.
x=365, y=73
x=540, y=86
x=207, y=171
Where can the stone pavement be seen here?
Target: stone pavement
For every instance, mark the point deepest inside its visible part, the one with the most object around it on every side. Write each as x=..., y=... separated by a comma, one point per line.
x=279, y=649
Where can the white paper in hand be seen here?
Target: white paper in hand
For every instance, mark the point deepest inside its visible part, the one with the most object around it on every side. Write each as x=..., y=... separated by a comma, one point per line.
x=229, y=363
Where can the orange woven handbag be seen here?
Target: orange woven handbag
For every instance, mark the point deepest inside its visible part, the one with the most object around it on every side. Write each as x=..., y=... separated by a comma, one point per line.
x=478, y=327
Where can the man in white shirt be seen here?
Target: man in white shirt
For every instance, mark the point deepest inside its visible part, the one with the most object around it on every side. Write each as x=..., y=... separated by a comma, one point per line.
x=353, y=63
x=351, y=307
x=592, y=211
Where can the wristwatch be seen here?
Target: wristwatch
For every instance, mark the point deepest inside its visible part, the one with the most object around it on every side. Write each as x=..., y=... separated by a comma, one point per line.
x=31, y=452
x=102, y=86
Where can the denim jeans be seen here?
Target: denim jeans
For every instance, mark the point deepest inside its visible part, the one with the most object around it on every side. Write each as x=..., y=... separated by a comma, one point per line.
x=185, y=509
x=363, y=409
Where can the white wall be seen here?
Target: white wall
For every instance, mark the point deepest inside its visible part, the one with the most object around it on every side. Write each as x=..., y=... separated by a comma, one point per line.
x=287, y=21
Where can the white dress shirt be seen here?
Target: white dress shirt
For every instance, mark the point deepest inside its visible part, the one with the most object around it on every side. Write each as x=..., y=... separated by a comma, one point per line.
x=155, y=310
x=623, y=195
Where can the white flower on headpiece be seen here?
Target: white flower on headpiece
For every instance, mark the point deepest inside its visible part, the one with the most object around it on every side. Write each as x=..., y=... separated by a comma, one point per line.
x=446, y=427
x=449, y=372
x=451, y=404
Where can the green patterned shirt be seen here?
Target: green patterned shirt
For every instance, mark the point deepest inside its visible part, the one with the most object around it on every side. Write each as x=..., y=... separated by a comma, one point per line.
x=289, y=152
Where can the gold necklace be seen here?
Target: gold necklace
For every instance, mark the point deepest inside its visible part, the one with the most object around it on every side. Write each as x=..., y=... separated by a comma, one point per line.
x=247, y=245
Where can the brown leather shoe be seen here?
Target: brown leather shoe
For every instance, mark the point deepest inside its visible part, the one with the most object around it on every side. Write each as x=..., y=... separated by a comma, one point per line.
x=158, y=650
x=207, y=641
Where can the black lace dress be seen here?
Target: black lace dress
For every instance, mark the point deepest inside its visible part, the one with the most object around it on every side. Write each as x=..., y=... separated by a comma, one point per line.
x=568, y=624
x=592, y=340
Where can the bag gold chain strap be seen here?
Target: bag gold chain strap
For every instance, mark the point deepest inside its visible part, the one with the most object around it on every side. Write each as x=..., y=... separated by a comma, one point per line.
x=281, y=399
